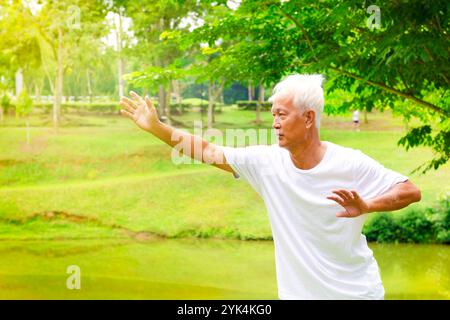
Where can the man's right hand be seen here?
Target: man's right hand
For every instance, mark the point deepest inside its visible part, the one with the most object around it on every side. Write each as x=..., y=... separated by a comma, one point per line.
x=141, y=111
x=145, y=116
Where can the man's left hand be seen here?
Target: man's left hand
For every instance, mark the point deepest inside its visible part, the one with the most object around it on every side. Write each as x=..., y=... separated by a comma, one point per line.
x=353, y=204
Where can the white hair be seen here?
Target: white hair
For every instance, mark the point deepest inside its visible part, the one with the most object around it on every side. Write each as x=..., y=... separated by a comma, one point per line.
x=306, y=92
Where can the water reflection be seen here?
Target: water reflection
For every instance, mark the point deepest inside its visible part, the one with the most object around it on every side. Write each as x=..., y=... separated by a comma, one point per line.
x=192, y=269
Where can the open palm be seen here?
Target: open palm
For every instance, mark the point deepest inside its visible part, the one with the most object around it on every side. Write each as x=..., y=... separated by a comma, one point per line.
x=353, y=204
x=140, y=110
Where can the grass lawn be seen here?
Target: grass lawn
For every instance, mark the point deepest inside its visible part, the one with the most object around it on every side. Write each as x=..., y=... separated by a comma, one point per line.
x=119, y=178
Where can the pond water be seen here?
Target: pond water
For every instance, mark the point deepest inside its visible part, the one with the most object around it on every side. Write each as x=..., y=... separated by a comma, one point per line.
x=192, y=269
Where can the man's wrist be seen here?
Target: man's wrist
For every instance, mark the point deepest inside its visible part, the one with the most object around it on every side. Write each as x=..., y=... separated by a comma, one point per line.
x=370, y=206
x=155, y=127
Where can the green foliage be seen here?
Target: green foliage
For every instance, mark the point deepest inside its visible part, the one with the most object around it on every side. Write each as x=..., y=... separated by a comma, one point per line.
x=382, y=228
x=440, y=143
x=24, y=104
x=69, y=107
x=414, y=227
x=152, y=77
x=5, y=103
x=251, y=105
x=403, y=65
x=431, y=225
x=440, y=217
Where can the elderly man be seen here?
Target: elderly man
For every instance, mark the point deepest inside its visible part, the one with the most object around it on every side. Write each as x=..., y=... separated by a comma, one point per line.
x=317, y=193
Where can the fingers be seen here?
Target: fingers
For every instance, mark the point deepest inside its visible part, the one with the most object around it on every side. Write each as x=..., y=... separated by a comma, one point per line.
x=343, y=214
x=344, y=194
x=126, y=105
x=129, y=102
x=136, y=97
x=355, y=195
x=127, y=114
x=337, y=199
x=148, y=102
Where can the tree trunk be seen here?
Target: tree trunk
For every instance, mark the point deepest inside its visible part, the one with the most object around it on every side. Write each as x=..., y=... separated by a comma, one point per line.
x=366, y=121
x=120, y=61
x=19, y=82
x=258, y=105
x=37, y=92
x=1, y=114
x=89, y=86
x=58, y=82
x=210, y=103
x=167, y=104
x=161, y=101
x=176, y=90
x=250, y=91
x=262, y=89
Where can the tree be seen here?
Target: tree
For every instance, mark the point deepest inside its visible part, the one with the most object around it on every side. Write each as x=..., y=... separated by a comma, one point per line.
x=151, y=19
x=23, y=109
x=403, y=61
x=61, y=27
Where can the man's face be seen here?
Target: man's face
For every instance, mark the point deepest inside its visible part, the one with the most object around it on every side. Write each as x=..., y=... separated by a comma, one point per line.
x=289, y=122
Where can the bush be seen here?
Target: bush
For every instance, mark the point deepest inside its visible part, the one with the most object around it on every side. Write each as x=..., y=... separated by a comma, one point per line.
x=414, y=227
x=5, y=103
x=96, y=107
x=24, y=104
x=382, y=228
x=251, y=105
x=431, y=225
x=440, y=217
x=182, y=108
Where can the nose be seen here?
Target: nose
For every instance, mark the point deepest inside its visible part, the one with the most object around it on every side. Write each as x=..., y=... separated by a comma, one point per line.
x=276, y=124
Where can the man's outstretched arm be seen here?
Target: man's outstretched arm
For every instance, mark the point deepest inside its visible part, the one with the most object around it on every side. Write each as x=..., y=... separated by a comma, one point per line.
x=399, y=196
x=144, y=114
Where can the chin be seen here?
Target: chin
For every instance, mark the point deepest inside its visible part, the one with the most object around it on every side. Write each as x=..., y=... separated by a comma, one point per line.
x=282, y=143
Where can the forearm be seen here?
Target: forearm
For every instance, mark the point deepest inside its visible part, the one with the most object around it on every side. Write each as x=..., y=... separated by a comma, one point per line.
x=144, y=114
x=400, y=196
x=189, y=144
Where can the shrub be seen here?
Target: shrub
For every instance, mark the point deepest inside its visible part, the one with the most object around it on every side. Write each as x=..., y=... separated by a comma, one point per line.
x=382, y=228
x=180, y=108
x=24, y=104
x=5, y=103
x=414, y=227
x=251, y=105
x=440, y=217
x=96, y=107
x=430, y=225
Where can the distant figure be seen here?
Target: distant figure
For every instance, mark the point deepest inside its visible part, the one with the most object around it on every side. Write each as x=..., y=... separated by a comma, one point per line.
x=356, y=120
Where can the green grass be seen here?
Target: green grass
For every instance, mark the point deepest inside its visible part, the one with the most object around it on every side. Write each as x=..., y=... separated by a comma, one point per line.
x=103, y=167
x=104, y=195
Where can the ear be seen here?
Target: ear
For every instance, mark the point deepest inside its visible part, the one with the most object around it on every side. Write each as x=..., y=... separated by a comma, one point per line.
x=310, y=117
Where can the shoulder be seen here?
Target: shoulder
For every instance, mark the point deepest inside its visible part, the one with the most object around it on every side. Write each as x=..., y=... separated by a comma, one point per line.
x=348, y=157
x=255, y=149
x=251, y=154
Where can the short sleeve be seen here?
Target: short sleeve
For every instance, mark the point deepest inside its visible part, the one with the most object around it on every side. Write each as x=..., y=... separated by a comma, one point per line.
x=372, y=178
x=247, y=163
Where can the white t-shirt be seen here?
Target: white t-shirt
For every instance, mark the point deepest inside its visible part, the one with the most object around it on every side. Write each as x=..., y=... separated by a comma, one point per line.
x=317, y=255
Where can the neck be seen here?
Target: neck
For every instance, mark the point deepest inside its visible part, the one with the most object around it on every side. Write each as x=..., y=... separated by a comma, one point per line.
x=309, y=153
